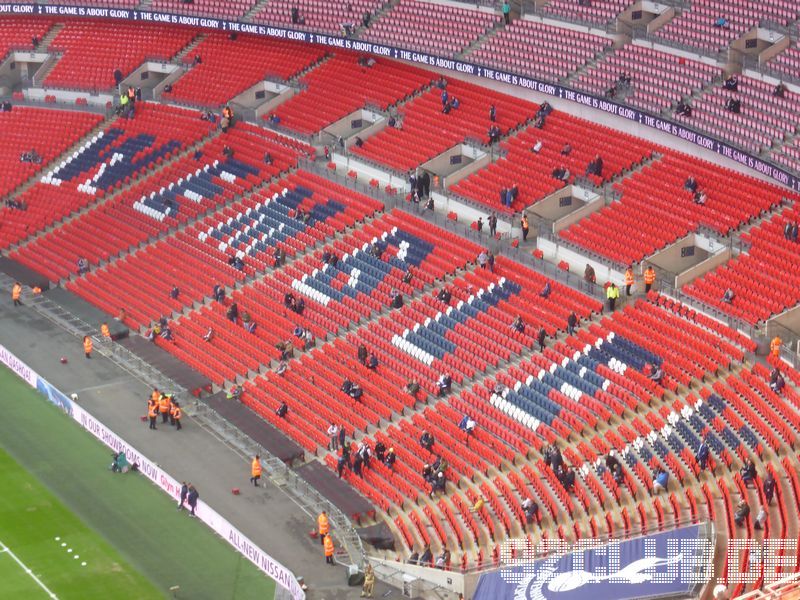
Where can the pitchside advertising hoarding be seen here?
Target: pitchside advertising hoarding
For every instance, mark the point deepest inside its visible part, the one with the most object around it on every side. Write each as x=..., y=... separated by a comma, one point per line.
x=272, y=568
x=648, y=120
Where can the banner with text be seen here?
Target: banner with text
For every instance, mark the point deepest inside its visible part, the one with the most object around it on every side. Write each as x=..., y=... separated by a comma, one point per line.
x=263, y=561
x=673, y=128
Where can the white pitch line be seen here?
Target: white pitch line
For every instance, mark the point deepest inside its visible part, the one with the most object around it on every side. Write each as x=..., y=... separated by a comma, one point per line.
x=4, y=548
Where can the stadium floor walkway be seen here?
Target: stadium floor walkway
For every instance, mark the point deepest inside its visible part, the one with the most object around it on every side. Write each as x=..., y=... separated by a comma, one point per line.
x=266, y=515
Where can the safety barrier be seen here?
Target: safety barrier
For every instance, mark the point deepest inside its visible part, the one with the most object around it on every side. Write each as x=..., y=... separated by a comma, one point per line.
x=288, y=586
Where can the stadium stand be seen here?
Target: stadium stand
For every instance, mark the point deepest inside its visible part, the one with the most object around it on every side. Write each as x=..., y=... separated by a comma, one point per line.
x=425, y=131
x=443, y=30
x=559, y=51
x=318, y=15
x=347, y=86
x=761, y=278
x=175, y=194
x=656, y=209
x=531, y=171
x=699, y=27
x=213, y=82
x=764, y=118
x=229, y=9
x=146, y=225
x=658, y=80
x=598, y=12
x=18, y=33
x=91, y=51
x=786, y=63
x=46, y=133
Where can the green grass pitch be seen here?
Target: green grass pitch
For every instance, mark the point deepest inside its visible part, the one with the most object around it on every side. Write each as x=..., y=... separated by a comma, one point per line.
x=136, y=546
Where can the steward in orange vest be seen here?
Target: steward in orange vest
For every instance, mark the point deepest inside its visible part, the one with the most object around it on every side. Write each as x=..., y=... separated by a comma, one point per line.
x=175, y=415
x=649, y=278
x=87, y=346
x=163, y=407
x=152, y=413
x=105, y=331
x=255, y=470
x=775, y=347
x=323, y=526
x=327, y=543
x=628, y=280
x=16, y=291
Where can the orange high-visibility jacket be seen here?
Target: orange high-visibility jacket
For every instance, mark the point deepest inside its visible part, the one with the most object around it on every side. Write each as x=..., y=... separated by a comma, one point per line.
x=650, y=275
x=16, y=291
x=164, y=403
x=255, y=468
x=328, y=546
x=629, y=277
x=87, y=345
x=105, y=331
x=323, y=525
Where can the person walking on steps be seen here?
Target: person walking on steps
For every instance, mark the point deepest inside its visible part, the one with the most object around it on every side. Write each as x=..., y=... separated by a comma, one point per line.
x=327, y=543
x=16, y=292
x=255, y=470
x=87, y=346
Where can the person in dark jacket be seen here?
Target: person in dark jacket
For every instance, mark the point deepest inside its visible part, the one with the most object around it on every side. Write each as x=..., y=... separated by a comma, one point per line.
x=572, y=322
x=192, y=498
x=769, y=487
x=541, y=337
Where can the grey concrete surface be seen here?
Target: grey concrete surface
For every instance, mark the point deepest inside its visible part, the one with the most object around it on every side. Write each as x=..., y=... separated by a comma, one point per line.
x=266, y=515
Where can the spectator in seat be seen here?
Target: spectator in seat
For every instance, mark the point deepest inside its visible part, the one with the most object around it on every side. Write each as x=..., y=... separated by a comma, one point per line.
x=250, y=326
x=447, y=108
x=209, y=334
x=83, y=265
x=468, y=425
x=721, y=22
x=748, y=471
x=347, y=386
x=761, y=518
x=443, y=559
x=281, y=368
x=690, y=184
x=482, y=259
x=445, y=97
x=661, y=481
x=380, y=451
x=444, y=383
x=769, y=487
x=779, y=91
x=426, y=440
x=572, y=322
x=372, y=361
x=611, y=461
x=702, y=454
x=454, y=103
x=518, y=325
x=541, y=336
x=700, y=197
x=282, y=410
x=218, y=293
x=492, y=113
x=561, y=173
x=776, y=381
x=728, y=296
x=397, y=299
x=566, y=477
x=565, y=151
x=742, y=512
x=295, y=15
x=546, y=291
x=595, y=166
x=656, y=374
x=530, y=509
x=618, y=474
x=683, y=109
x=734, y=105
x=362, y=354
x=444, y=296
x=537, y=147
x=426, y=558
x=390, y=459
x=787, y=230
x=795, y=231
x=286, y=349
x=438, y=485
x=427, y=473
x=412, y=387
x=732, y=83
x=174, y=292
x=166, y=334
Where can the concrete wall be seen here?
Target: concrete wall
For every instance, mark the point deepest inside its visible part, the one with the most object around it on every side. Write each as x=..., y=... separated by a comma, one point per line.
x=263, y=97
x=711, y=263
x=372, y=123
x=473, y=159
x=149, y=75
x=790, y=319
